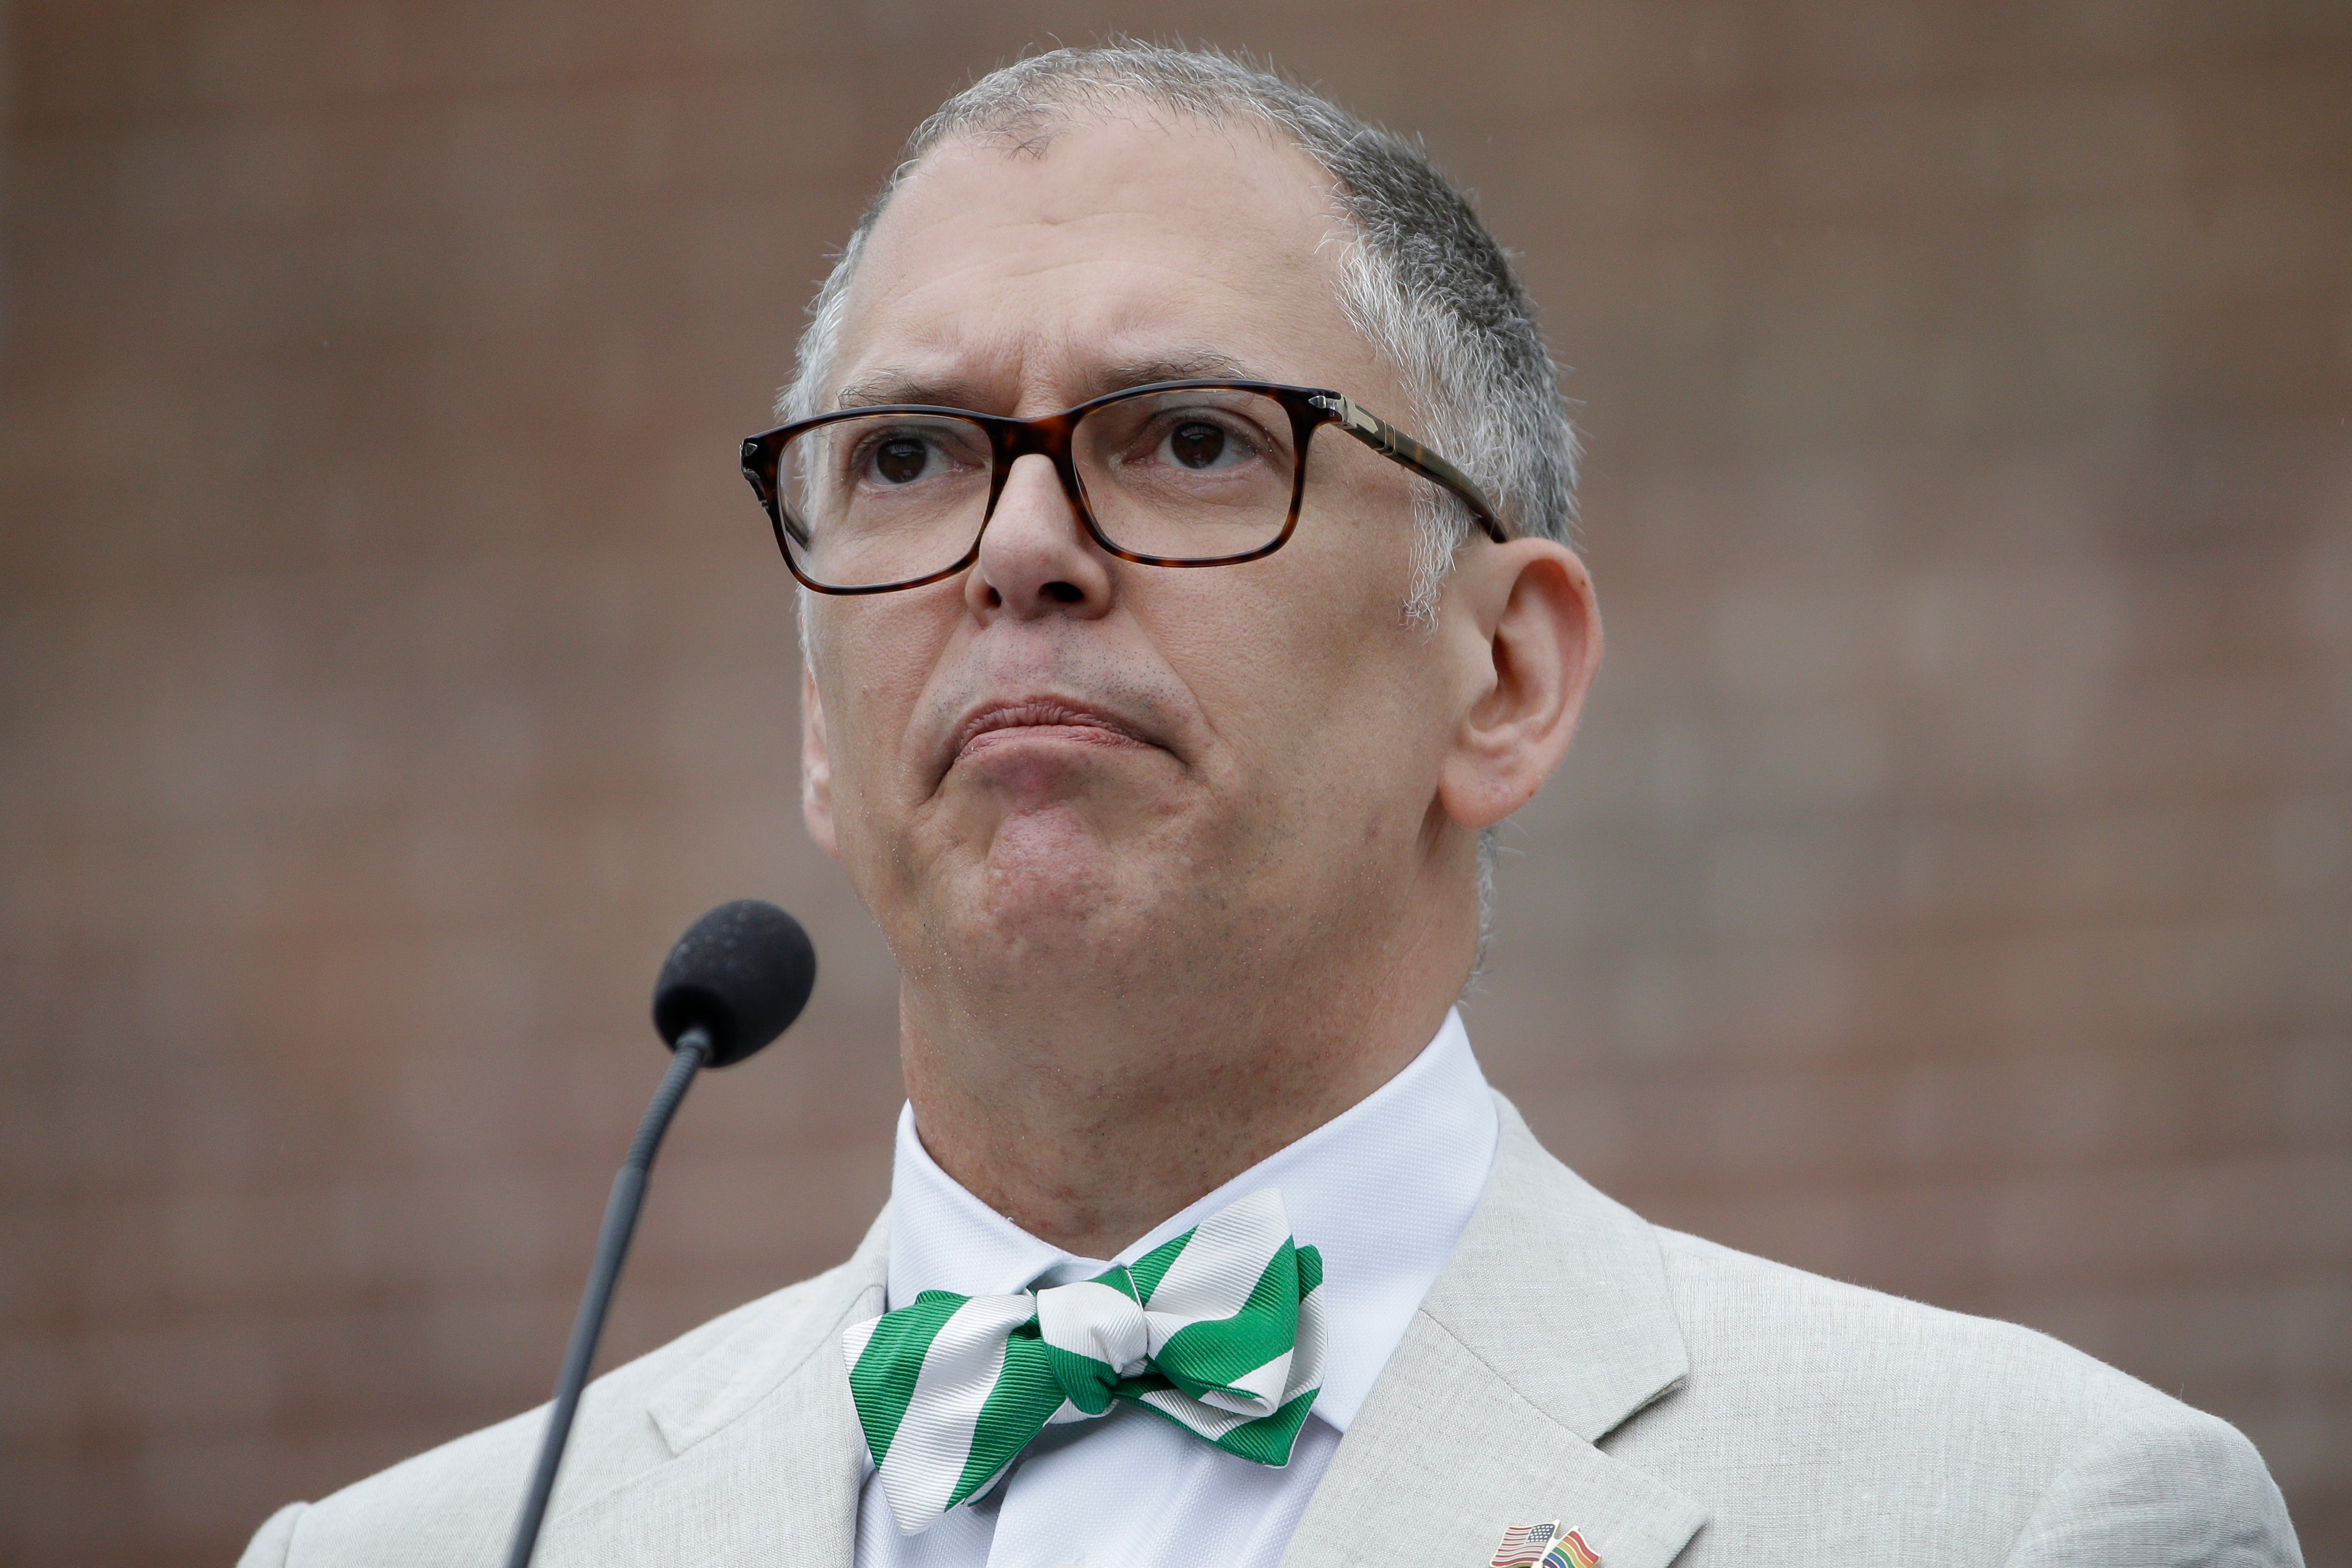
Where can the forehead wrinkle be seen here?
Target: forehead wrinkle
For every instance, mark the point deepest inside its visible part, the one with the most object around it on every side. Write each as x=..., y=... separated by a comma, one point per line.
x=907, y=384
x=925, y=292
x=1040, y=247
x=1123, y=342
x=898, y=300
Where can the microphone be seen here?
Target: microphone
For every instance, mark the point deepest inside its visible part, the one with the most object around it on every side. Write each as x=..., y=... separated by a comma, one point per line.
x=735, y=980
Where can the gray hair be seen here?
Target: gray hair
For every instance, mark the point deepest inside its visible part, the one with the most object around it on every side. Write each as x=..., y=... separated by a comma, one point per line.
x=1421, y=280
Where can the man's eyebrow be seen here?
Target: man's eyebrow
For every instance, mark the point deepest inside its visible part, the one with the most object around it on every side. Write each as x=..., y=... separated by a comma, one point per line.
x=885, y=388
x=1195, y=364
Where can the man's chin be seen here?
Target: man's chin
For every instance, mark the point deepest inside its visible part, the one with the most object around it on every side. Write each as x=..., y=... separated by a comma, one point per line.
x=1051, y=886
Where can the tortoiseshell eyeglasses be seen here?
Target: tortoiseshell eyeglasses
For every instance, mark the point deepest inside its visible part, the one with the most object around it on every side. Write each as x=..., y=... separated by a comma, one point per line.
x=1176, y=473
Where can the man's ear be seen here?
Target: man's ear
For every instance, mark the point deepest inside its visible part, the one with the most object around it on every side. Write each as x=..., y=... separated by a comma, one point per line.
x=817, y=768
x=1530, y=635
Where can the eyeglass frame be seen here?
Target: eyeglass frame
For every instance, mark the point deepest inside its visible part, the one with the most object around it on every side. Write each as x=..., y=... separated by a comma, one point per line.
x=1049, y=437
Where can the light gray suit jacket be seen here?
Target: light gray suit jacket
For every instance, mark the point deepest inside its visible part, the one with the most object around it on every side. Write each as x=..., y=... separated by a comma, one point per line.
x=1673, y=1400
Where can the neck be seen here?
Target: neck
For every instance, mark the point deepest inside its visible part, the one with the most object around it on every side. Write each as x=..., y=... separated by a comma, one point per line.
x=1088, y=1119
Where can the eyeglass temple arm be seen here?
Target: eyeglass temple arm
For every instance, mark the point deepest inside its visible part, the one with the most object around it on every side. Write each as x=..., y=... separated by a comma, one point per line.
x=1393, y=443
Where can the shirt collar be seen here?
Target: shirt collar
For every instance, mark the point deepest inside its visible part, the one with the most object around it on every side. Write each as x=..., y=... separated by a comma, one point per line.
x=1382, y=1190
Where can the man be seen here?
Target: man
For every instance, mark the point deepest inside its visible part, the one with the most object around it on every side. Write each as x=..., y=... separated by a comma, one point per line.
x=1160, y=730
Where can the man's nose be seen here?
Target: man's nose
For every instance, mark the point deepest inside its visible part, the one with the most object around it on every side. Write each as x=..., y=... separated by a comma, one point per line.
x=1036, y=556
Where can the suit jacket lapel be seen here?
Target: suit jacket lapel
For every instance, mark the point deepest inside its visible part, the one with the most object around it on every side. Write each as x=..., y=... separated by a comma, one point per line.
x=768, y=1457
x=1551, y=1325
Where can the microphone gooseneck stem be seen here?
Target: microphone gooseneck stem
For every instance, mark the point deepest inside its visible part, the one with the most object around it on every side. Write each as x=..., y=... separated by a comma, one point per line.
x=612, y=1248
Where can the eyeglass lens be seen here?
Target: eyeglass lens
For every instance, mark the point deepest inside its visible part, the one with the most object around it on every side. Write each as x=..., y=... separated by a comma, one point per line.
x=1199, y=474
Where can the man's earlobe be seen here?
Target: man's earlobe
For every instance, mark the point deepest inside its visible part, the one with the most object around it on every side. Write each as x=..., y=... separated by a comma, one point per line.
x=817, y=768
x=1538, y=629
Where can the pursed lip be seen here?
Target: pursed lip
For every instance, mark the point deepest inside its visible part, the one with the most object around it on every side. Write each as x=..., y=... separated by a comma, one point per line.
x=1057, y=716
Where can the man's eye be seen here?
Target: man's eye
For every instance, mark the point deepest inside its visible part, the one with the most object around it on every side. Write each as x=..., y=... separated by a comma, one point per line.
x=1198, y=444
x=901, y=460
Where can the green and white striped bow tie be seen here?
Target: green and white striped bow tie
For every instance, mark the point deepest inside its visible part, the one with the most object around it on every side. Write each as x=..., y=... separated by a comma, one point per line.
x=1220, y=1330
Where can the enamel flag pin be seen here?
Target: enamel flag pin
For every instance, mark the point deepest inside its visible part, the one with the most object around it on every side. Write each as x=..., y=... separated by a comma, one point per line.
x=1543, y=1546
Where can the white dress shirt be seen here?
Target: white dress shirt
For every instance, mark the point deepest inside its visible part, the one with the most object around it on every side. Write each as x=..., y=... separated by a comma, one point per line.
x=1382, y=1190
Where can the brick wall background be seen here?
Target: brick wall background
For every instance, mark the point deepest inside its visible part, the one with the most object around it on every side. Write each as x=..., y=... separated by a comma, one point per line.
x=1952, y=889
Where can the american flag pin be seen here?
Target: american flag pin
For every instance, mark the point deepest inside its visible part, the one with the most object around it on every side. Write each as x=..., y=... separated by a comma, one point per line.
x=1544, y=1546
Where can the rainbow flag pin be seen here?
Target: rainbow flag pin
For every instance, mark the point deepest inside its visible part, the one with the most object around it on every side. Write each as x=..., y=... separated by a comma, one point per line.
x=1544, y=1546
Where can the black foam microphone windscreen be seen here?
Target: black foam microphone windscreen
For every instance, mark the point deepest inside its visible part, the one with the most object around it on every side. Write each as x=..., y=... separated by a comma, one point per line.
x=743, y=971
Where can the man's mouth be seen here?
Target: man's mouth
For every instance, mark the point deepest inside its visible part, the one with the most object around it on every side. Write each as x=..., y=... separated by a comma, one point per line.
x=1039, y=718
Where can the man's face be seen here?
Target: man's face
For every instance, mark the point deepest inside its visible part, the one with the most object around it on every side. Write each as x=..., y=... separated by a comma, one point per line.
x=1065, y=768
